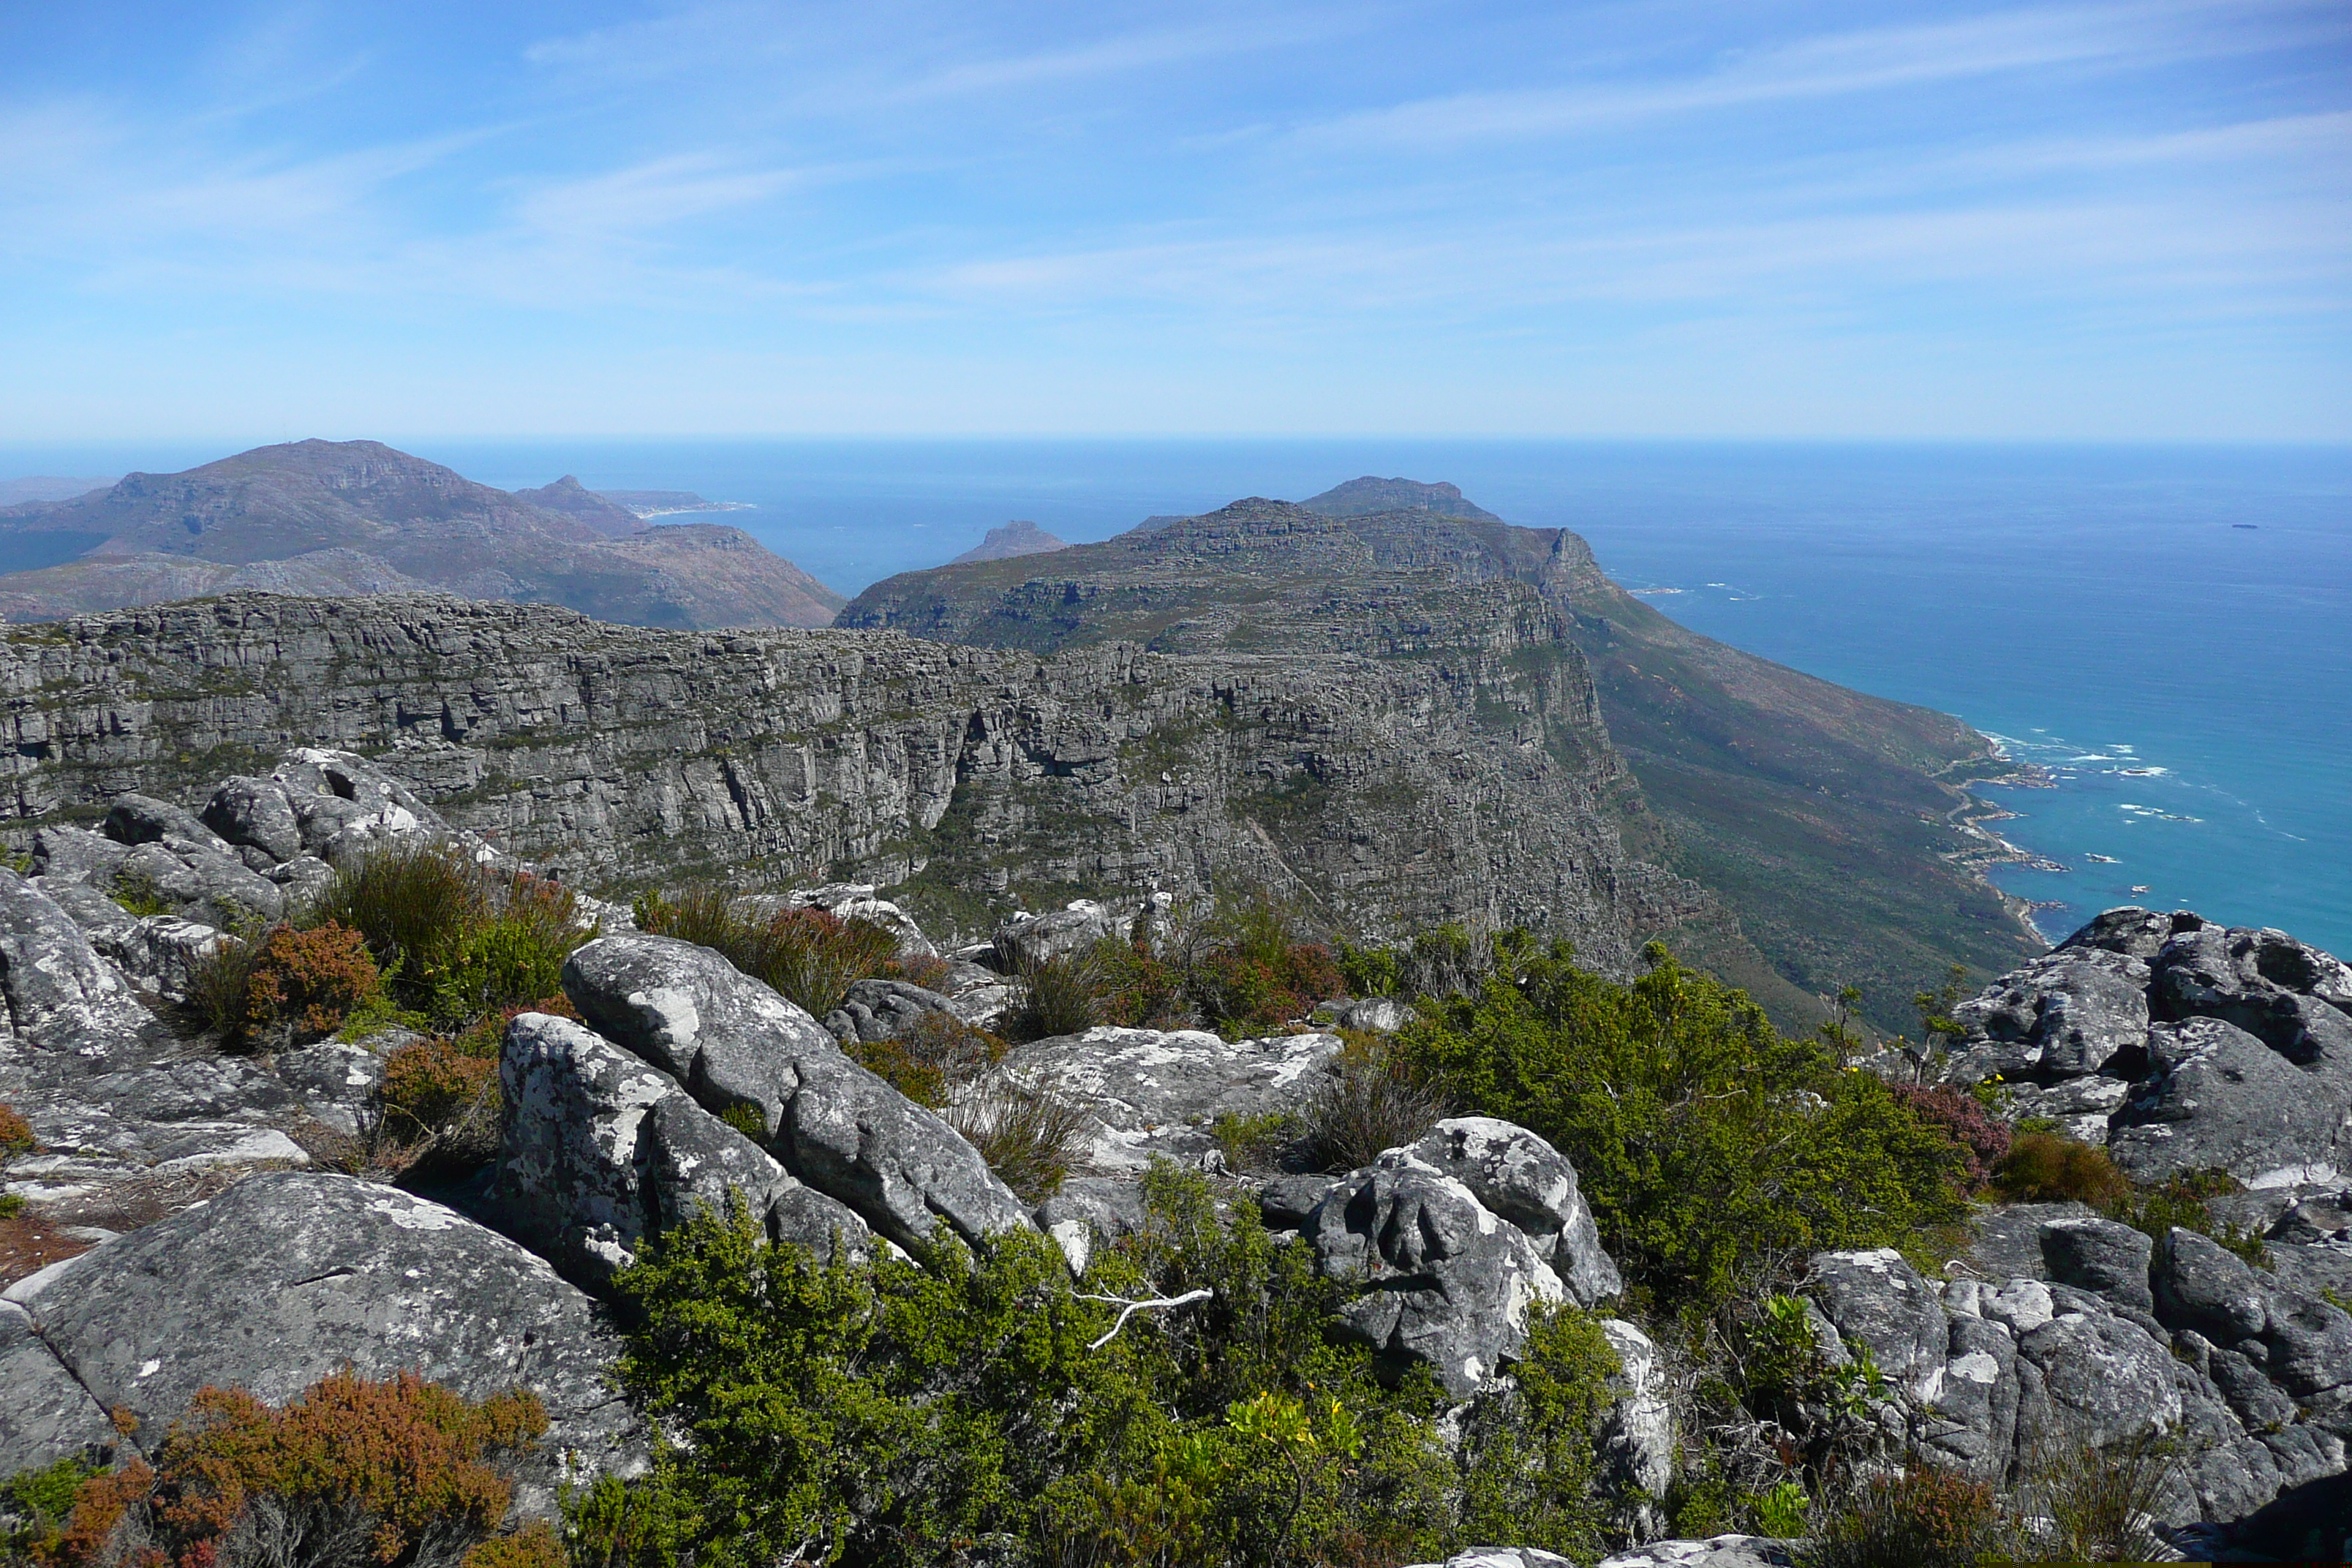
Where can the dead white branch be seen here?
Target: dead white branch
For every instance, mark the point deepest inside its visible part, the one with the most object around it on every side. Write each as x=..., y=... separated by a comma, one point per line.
x=1127, y=1309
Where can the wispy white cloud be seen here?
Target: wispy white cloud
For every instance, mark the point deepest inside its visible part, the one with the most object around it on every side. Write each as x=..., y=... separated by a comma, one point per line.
x=1844, y=64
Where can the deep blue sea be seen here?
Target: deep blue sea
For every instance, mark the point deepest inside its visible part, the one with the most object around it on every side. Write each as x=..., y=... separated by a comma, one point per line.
x=2169, y=631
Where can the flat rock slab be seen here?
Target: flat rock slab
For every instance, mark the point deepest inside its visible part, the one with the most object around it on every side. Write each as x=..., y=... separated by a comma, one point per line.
x=1160, y=1092
x=288, y=1275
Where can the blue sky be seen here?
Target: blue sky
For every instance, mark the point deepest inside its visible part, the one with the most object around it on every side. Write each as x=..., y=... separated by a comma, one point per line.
x=2113, y=220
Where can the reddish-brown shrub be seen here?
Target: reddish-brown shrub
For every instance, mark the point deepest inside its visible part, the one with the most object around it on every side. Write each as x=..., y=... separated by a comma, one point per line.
x=1979, y=1135
x=1240, y=988
x=310, y=978
x=429, y=1084
x=382, y=1462
x=1922, y=1518
x=2044, y=1168
x=16, y=1133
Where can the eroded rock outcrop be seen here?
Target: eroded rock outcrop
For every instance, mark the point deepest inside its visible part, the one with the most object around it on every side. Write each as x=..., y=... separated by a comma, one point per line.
x=286, y=1277
x=735, y=1046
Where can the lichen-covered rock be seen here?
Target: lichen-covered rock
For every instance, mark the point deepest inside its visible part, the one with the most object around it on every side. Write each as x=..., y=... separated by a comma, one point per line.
x=2265, y=983
x=286, y=1277
x=598, y=1150
x=1442, y=1282
x=1089, y=1212
x=2065, y=1015
x=876, y=1010
x=734, y=1045
x=60, y=995
x=1717, y=1551
x=1153, y=1093
x=1637, y=1439
x=1519, y=1175
x=45, y=1415
x=2218, y=1097
x=1878, y=1300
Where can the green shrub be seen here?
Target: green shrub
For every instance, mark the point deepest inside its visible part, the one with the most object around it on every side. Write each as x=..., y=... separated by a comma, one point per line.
x=2096, y=1505
x=454, y=940
x=220, y=989
x=137, y=892
x=2046, y=1168
x=40, y=1500
x=1444, y=961
x=1530, y=1481
x=884, y=1414
x=1713, y=1150
x=2183, y=1200
x=1059, y=996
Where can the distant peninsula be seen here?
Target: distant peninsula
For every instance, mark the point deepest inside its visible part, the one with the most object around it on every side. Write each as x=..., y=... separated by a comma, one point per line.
x=662, y=503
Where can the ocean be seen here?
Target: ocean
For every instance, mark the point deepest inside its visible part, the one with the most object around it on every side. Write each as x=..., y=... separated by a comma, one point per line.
x=2166, y=630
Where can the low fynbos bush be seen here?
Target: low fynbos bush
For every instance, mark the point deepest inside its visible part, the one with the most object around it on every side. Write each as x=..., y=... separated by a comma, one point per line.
x=1031, y=1137
x=885, y=1413
x=1258, y=970
x=352, y=1471
x=15, y=1133
x=1979, y=1134
x=1920, y=1518
x=310, y=980
x=453, y=939
x=434, y=1088
x=1370, y=1105
x=2047, y=1168
x=934, y=1057
x=1059, y=996
x=810, y=957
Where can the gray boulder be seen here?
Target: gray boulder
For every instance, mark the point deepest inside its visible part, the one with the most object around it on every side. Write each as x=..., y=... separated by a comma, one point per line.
x=1379, y=1014
x=1090, y=1212
x=876, y=1010
x=2065, y=1015
x=597, y=1150
x=1035, y=939
x=2218, y=1097
x=286, y=1277
x=2211, y=973
x=731, y=1042
x=60, y=995
x=1878, y=1300
x=259, y=813
x=1717, y=1552
x=1442, y=1281
x=1519, y=1177
x=202, y=881
x=1153, y=1093
x=2108, y=1260
x=1637, y=1439
x=46, y=1415
x=136, y=819
x=2301, y=1343
x=1503, y=1557
x=2095, y=1380
x=2132, y=931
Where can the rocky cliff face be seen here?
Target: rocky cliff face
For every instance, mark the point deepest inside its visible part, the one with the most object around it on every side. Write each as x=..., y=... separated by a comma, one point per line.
x=1464, y=776
x=1826, y=823
x=338, y=517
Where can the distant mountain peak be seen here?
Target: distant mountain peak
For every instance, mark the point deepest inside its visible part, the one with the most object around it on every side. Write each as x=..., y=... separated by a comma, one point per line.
x=576, y=500
x=1370, y=494
x=1009, y=539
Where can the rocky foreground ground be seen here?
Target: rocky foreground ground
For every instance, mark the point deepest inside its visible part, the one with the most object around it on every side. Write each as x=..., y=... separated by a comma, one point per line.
x=214, y=1241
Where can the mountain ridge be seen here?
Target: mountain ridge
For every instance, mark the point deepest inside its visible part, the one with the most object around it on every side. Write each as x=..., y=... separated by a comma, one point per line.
x=1830, y=824
x=355, y=517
